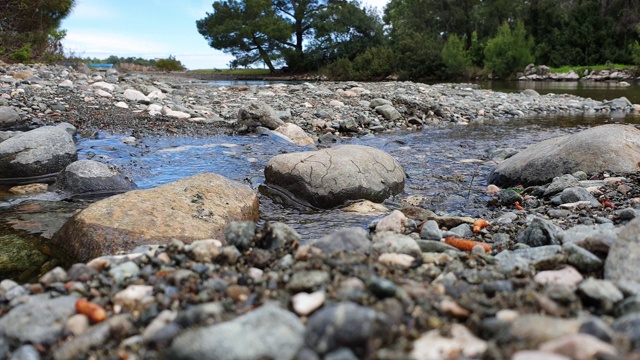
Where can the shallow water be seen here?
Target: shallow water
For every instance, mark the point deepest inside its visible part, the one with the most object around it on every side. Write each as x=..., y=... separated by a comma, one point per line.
x=445, y=167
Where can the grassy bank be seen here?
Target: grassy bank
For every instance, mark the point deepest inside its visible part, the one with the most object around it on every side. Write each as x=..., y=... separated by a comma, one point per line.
x=581, y=69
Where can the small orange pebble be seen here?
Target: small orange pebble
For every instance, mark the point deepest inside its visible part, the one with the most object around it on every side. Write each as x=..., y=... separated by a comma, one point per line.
x=479, y=224
x=93, y=311
x=518, y=206
x=464, y=244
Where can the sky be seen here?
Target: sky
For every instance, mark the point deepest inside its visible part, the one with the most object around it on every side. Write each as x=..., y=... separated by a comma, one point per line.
x=146, y=28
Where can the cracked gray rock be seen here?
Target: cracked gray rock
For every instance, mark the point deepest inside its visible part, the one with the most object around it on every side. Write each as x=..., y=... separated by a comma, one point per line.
x=334, y=176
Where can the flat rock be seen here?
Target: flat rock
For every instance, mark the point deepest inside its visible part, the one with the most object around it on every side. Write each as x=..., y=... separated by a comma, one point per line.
x=333, y=176
x=608, y=147
x=265, y=333
x=195, y=208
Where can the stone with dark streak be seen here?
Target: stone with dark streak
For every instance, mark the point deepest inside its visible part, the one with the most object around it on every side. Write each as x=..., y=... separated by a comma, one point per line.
x=331, y=177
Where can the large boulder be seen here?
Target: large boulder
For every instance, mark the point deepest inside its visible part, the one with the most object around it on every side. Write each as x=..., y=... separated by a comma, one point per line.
x=608, y=147
x=37, y=155
x=190, y=209
x=333, y=176
x=92, y=178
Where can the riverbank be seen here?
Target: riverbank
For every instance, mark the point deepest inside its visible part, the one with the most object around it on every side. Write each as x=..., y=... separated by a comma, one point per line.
x=394, y=291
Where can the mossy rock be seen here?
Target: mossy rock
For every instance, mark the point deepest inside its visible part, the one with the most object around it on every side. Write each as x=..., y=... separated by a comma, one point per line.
x=18, y=254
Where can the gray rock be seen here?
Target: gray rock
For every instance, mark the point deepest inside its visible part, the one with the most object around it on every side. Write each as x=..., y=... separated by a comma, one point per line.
x=267, y=332
x=332, y=176
x=38, y=154
x=560, y=183
x=390, y=242
x=623, y=259
x=308, y=280
x=629, y=325
x=258, y=113
x=607, y=147
x=136, y=96
x=595, y=238
x=508, y=197
x=343, y=325
x=38, y=322
x=88, y=177
x=540, y=232
x=436, y=246
x=582, y=259
x=379, y=102
x=431, y=231
x=277, y=235
x=575, y=194
x=115, y=328
x=530, y=92
x=124, y=271
x=628, y=306
x=540, y=258
x=8, y=117
x=602, y=294
x=25, y=352
x=388, y=112
x=240, y=233
x=462, y=231
x=348, y=240
x=4, y=348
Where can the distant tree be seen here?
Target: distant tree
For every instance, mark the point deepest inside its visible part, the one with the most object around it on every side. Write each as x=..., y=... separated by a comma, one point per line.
x=345, y=30
x=455, y=57
x=29, y=29
x=509, y=51
x=250, y=30
x=169, y=64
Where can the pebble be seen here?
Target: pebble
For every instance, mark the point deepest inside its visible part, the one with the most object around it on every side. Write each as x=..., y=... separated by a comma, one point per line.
x=566, y=276
x=432, y=345
x=304, y=303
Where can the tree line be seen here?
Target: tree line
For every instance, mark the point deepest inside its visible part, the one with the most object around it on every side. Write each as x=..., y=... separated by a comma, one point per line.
x=419, y=39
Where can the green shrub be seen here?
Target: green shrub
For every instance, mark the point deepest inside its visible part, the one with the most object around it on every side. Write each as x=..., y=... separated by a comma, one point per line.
x=455, y=57
x=376, y=62
x=170, y=64
x=509, y=51
x=22, y=55
x=341, y=69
